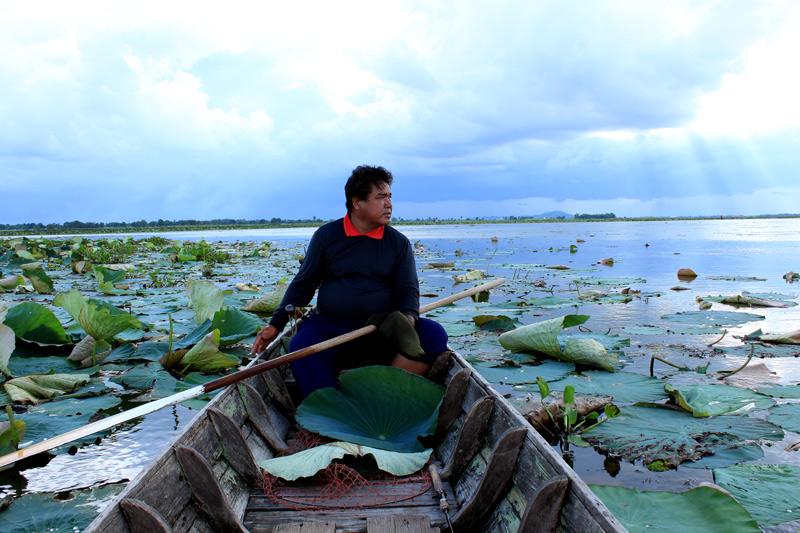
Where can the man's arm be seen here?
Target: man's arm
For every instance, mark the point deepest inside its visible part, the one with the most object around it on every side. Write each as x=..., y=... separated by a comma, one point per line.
x=406, y=283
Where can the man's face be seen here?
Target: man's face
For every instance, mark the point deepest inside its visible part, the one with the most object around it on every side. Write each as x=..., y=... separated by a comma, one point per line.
x=377, y=208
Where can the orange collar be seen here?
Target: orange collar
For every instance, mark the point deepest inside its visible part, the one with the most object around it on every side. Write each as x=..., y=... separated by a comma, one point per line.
x=351, y=231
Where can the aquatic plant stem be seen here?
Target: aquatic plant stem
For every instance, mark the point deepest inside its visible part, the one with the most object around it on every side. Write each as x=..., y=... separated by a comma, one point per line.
x=724, y=332
x=752, y=351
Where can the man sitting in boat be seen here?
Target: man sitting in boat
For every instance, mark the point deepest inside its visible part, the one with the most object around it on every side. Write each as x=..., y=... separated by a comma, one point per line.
x=364, y=269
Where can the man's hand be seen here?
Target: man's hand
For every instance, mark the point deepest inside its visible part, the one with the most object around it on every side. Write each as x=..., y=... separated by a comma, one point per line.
x=264, y=337
x=412, y=320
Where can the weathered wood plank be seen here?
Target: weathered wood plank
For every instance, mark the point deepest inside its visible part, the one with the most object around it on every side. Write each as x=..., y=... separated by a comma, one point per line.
x=311, y=526
x=398, y=524
x=346, y=521
x=541, y=516
x=450, y=408
x=470, y=437
x=234, y=447
x=142, y=518
x=206, y=489
x=260, y=418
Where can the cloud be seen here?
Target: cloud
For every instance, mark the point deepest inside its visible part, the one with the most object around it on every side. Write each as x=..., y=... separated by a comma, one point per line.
x=185, y=110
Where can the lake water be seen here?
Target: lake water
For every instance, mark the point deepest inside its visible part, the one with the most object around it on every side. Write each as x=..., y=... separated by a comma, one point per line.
x=729, y=256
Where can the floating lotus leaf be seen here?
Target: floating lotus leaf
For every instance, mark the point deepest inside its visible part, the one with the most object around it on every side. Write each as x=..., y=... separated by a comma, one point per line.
x=309, y=462
x=378, y=406
x=713, y=400
x=788, y=391
x=7, y=344
x=712, y=318
x=100, y=320
x=543, y=337
x=205, y=298
x=786, y=416
x=519, y=375
x=35, y=388
x=82, y=352
x=729, y=456
x=268, y=303
x=769, y=492
x=652, y=433
x=622, y=386
x=40, y=281
x=107, y=275
x=697, y=510
x=206, y=357
x=234, y=325
x=472, y=275
x=11, y=282
x=793, y=337
x=34, y=322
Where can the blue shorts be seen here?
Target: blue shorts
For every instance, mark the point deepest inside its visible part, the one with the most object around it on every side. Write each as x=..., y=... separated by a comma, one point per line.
x=319, y=370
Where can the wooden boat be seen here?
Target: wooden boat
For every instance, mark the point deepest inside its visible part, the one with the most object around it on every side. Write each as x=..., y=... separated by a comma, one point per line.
x=499, y=474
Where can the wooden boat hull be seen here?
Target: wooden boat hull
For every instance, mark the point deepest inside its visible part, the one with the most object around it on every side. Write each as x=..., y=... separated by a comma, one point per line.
x=500, y=474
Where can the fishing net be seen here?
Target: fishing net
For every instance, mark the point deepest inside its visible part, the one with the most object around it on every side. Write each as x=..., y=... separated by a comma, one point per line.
x=340, y=487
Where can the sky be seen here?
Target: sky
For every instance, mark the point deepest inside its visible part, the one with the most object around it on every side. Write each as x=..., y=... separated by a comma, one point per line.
x=122, y=111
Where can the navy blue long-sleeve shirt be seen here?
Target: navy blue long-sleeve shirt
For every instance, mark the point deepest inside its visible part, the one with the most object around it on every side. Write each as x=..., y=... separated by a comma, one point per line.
x=356, y=276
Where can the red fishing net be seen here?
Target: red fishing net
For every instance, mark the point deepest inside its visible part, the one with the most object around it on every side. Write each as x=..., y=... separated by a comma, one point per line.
x=340, y=487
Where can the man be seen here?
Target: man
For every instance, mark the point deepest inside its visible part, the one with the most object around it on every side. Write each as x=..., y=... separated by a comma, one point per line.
x=362, y=268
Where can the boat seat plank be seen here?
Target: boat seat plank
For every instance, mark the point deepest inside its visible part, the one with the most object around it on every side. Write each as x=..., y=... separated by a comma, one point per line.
x=541, y=516
x=142, y=518
x=310, y=526
x=346, y=521
x=470, y=437
x=235, y=448
x=259, y=416
x=399, y=524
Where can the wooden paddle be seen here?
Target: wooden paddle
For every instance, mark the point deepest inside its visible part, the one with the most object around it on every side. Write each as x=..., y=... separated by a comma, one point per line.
x=251, y=370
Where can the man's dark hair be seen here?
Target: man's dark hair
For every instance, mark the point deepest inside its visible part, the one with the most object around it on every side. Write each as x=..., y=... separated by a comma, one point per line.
x=360, y=183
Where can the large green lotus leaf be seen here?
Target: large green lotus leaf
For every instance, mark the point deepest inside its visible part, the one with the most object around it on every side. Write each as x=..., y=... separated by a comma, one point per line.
x=205, y=298
x=623, y=386
x=34, y=322
x=589, y=352
x=309, y=462
x=786, y=416
x=36, y=388
x=713, y=400
x=712, y=318
x=7, y=344
x=41, y=282
x=50, y=512
x=146, y=351
x=268, y=303
x=100, y=320
x=551, y=302
x=541, y=336
x=77, y=406
x=699, y=510
x=106, y=275
x=769, y=492
x=519, y=375
x=610, y=342
x=792, y=337
x=140, y=377
x=234, y=325
x=378, y=406
x=651, y=433
x=56, y=364
x=206, y=357
x=3, y=311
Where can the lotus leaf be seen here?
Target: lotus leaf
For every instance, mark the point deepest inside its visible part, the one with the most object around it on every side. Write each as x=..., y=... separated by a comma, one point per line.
x=793, y=337
x=34, y=322
x=234, y=325
x=789, y=391
x=309, y=462
x=107, y=275
x=552, y=302
x=100, y=320
x=49, y=512
x=82, y=352
x=514, y=375
x=206, y=357
x=40, y=281
x=472, y=275
x=205, y=298
x=378, y=406
x=769, y=492
x=713, y=400
x=268, y=303
x=622, y=386
x=11, y=282
x=8, y=435
x=698, y=510
x=786, y=416
x=73, y=406
x=729, y=456
x=712, y=318
x=543, y=337
x=6, y=348
x=652, y=433
x=33, y=389
x=141, y=377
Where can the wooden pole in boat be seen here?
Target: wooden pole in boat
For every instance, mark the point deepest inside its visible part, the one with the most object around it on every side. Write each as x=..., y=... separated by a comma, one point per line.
x=194, y=392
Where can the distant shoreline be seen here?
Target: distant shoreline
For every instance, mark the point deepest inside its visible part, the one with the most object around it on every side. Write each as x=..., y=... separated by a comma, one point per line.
x=61, y=230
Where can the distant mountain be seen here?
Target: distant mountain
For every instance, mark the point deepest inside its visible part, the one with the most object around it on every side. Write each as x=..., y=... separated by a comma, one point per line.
x=553, y=214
